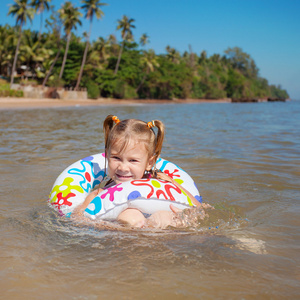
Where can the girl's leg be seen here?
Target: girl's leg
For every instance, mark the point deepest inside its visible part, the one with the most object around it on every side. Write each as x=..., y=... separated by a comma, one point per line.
x=133, y=217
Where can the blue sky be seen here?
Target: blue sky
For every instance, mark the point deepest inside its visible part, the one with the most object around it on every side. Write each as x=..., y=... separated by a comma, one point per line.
x=268, y=30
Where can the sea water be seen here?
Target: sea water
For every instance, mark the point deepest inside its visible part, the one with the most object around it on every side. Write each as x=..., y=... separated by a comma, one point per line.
x=245, y=160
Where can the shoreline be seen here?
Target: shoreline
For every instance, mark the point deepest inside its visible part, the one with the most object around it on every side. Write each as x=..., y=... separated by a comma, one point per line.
x=32, y=103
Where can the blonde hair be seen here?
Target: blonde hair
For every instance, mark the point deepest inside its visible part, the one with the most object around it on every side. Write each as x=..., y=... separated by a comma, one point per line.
x=115, y=130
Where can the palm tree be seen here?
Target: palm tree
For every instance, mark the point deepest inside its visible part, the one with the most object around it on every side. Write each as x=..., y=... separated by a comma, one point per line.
x=32, y=53
x=144, y=39
x=113, y=46
x=47, y=74
x=93, y=62
x=10, y=45
x=125, y=24
x=29, y=51
x=3, y=36
x=101, y=46
x=91, y=7
x=40, y=6
x=6, y=44
x=149, y=63
x=54, y=26
x=173, y=55
x=70, y=18
x=22, y=11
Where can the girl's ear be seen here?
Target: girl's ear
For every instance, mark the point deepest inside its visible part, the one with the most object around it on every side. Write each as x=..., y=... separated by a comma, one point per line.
x=150, y=163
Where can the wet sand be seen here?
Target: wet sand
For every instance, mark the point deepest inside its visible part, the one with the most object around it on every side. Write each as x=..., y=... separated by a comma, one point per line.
x=16, y=103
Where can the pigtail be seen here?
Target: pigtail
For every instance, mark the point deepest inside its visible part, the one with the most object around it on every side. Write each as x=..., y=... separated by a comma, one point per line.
x=159, y=137
x=108, y=124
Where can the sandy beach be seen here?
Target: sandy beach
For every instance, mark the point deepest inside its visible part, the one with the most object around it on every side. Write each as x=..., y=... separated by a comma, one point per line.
x=31, y=103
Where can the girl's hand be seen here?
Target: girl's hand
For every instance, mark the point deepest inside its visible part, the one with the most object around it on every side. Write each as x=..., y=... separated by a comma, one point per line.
x=78, y=211
x=162, y=219
x=174, y=209
x=163, y=176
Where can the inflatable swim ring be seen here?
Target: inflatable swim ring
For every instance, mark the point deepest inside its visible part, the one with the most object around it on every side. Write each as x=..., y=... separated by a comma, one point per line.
x=148, y=195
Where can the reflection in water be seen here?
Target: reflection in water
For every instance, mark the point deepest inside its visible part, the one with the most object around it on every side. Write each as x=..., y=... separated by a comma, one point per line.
x=245, y=161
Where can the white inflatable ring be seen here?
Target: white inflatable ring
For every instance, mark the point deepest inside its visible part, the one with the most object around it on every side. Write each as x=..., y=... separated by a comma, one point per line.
x=148, y=195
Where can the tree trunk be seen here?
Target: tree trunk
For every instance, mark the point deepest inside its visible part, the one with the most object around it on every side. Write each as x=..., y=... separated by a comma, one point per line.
x=41, y=26
x=65, y=56
x=119, y=58
x=27, y=68
x=83, y=59
x=51, y=68
x=141, y=83
x=16, y=57
x=82, y=65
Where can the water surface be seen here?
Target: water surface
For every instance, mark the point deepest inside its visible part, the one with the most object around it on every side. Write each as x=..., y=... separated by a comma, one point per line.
x=242, y=156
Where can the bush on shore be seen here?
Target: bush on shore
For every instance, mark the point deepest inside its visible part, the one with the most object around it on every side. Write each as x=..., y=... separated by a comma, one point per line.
x=5, y=90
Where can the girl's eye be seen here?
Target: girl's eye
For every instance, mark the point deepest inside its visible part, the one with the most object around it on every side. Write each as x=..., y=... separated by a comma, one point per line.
x=133, y=160
x=115, y=157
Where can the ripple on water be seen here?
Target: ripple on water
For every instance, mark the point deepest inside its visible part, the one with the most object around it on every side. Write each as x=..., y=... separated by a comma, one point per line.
x=246, y=156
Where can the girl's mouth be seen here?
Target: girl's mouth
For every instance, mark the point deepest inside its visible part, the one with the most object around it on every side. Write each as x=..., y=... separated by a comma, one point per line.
x=124, y=177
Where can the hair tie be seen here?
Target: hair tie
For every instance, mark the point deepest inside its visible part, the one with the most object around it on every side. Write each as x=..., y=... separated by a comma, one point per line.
x=151, y=124
x=116, y=119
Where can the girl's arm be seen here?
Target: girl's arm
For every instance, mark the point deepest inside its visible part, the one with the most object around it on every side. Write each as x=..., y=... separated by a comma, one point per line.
x=164, y=176
x=78, y=211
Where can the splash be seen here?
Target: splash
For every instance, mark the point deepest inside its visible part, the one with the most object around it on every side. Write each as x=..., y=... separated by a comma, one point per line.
x=208, y=218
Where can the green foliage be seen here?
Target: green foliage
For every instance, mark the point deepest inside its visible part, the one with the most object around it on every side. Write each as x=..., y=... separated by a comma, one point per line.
x=70, y=16
x=211, y=79
x=121, y=69
x=130, y=67
x=260, y=87
x=72, y=67
x=55, y=81
x=170, y=80
x=124, y=91
x=278, y=92
x=242, y=62
x=125, y=25
x=129, y=92
x=5, y=90
x=11, y=93
x=198, y=89
x=111, y=86
x=235, y=84
x=93, y=90
x=28, y=82
x=22, y=11
x=3, y=83
x=106, y=81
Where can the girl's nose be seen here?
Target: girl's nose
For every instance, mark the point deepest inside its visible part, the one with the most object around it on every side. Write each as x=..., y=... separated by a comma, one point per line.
x=123, y=167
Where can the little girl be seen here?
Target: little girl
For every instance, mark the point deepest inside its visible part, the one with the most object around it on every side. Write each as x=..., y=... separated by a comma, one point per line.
x=131, y=150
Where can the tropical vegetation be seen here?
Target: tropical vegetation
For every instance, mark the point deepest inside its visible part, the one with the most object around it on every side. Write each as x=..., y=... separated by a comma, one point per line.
x=106, y=67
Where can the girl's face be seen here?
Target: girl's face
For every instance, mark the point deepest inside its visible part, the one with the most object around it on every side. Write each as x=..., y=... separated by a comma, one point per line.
x=130, y=163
